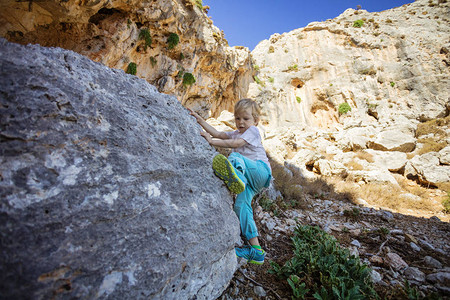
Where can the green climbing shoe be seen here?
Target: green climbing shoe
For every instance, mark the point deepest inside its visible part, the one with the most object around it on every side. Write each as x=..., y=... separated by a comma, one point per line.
x=225, y=171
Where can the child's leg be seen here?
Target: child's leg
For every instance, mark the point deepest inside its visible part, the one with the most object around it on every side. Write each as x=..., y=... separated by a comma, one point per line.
x=255, y=175
x=244, y=211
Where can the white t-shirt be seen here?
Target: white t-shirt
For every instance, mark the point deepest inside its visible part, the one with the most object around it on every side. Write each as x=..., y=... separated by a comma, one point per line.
x=254, y=148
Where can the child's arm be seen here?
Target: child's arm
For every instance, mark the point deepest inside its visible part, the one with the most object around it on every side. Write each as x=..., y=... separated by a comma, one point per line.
x=211, y=130
x=226, y=143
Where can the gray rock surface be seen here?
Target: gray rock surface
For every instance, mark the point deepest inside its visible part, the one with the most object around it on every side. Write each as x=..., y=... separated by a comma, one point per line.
x=106, y=187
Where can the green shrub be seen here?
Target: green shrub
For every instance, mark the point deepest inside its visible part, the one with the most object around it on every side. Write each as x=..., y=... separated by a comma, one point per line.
x=173, y=40
x=271, y=79
x=344, y=108
x=322, y=269
x=266, y=204
x=392, y=84
x=199, y=4
x=446, y=203
x=256, y=67
x=353, y=213
x=144, y=34
x=188, y=79
x=132, y=68
x=298, y=99
x=358, y=23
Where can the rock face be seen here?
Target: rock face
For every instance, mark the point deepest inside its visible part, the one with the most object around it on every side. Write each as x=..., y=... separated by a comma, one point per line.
x=106, y=188
x=113, y=33
x=395, y=65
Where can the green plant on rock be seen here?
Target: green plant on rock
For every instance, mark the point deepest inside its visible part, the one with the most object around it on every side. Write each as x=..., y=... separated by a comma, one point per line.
x=299, y=100
x=132, y=68
x=188, y=79
x=153, y=61
x=199, y=4
x=271, y=79
x=144, y=34
x=392, y=84
x=358, y=23
x=173, y=40
x=320, y=268
x=344, y=108
x=299, y=289
x=258, y=81
x=266, y=203
x=293, y=68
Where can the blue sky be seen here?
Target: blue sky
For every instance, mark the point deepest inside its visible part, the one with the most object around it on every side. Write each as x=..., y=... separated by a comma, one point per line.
x=247, y=22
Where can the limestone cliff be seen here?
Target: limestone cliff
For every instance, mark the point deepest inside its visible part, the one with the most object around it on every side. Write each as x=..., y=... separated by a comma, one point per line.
x=117, y=33
x=390, y=64
x=106, y=189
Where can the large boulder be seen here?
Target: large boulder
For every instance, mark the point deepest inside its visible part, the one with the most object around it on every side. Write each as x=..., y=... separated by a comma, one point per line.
x=427, y=170
x=394, y=140
x=394, y=161
x=106, y=187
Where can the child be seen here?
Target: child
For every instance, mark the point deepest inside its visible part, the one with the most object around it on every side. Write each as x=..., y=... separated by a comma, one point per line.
x=246, y=171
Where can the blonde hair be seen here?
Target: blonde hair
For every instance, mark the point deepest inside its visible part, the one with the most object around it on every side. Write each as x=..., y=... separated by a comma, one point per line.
x=247, y=103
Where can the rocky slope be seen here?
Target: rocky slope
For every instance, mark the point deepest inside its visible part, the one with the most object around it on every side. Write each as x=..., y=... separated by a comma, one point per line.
x=107, y=190
x=113, y=33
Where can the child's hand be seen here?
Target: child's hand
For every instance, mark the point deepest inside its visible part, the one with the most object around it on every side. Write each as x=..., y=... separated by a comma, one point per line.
x=207, y=136
x=195, y=115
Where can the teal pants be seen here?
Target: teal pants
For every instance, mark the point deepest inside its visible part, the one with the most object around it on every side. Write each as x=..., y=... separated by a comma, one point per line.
x=256, y=175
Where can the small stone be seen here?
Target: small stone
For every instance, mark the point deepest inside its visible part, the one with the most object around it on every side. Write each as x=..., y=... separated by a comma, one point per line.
x=395, y=261
x=386, y=215
x=259, y=291
x=270, y=224
x=436, y=219
x=396, y=231
x=376, y=277
x=356, y=243
x=414, y=247
x=335, y=228
x=432, y=262
x=376, y=260
x=355, y=232
x=410, y=238
x=427, y=245
x=413, y=273
x=354, y=251
x=440, y=277
x=361, y=201
x=269, y=238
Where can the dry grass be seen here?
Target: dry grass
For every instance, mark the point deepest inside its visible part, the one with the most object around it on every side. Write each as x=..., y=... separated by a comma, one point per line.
x=433, y=126
x=294, y=187
x=354, y=165
x=430, y=145
x=390, y=196
x=364, y=156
